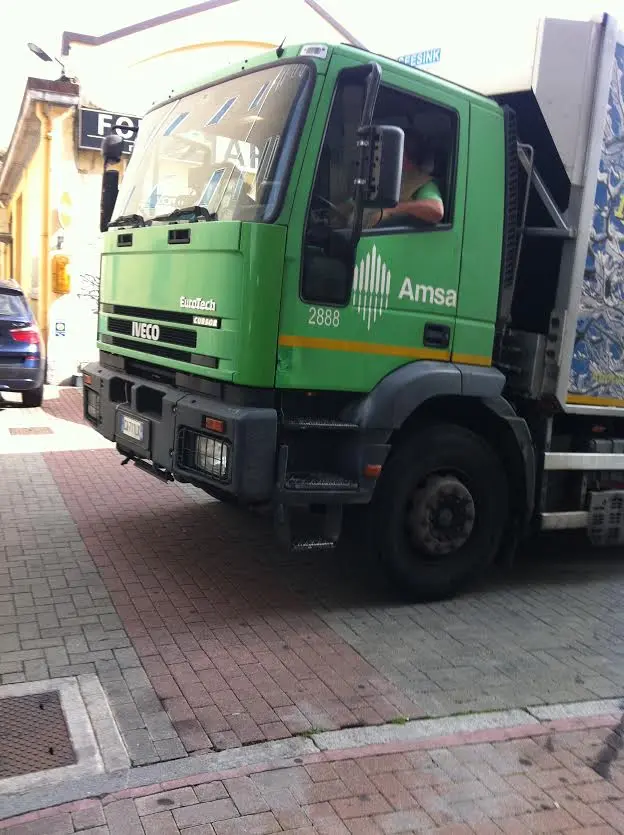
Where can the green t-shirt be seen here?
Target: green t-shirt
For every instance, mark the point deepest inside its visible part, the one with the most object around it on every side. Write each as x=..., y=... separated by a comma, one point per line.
x=429, y=191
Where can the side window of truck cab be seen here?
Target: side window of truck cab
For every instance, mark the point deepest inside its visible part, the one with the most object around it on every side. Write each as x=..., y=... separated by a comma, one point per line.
x=423, y=233
x=429, y=163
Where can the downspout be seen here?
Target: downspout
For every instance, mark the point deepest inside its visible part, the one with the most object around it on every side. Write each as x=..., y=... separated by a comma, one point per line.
x=43, y=305
x=10, y=273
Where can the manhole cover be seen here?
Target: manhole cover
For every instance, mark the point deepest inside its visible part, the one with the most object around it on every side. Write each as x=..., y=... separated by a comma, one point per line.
x=33, y=735
x=30, y=430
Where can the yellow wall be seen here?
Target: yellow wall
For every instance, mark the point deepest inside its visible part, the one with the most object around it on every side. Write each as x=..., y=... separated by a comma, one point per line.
x=26, y=204
x=67, y=171
x=5, y=248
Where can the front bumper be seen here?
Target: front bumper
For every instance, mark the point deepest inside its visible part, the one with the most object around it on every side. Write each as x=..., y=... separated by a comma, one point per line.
x=168, y=428
x=18, y=378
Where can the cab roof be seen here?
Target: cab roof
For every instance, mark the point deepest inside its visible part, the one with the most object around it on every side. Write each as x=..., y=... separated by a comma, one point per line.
x=353, y=53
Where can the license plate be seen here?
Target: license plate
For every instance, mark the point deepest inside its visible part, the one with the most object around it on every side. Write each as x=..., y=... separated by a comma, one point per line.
x=132, y=428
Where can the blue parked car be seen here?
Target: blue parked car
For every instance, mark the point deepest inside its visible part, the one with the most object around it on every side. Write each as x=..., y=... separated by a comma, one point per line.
x=22, y=352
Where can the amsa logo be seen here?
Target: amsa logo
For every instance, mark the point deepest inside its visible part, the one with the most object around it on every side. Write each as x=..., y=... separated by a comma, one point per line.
x=371, y=288
x=145, y=330
x=427, y=294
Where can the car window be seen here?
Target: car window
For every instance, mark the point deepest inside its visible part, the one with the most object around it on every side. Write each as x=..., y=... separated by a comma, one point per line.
x=13, y=305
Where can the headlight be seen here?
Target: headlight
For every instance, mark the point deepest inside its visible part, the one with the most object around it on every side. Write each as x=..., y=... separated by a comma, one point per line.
x=211, y=456
x=93, y=404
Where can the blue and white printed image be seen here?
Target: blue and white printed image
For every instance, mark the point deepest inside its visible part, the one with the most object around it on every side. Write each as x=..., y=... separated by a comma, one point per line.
x=598, y=359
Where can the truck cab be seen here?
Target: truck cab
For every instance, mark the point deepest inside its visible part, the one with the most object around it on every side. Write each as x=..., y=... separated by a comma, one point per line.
x=278, y=327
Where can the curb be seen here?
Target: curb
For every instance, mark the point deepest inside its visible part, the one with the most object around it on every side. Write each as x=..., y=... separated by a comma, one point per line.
x=354, y=743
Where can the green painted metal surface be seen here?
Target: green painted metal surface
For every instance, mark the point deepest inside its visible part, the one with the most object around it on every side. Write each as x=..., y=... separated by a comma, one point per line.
x=404, y=282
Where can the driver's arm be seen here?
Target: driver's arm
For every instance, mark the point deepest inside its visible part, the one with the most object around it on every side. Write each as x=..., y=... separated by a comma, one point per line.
x=425, y=204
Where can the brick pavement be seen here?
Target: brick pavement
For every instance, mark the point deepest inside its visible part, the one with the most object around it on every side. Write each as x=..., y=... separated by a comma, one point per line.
x=550, y=632
x=563, y=778
x=235, y=654
x=225, y=641
x=155, y=588
x=56, y=615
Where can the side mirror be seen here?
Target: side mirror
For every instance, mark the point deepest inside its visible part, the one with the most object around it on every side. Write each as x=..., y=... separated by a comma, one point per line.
x=382, y=187
x=110, y=190
x=112, y=147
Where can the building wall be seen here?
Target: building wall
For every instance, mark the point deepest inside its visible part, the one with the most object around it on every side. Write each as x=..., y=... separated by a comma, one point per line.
x=71, y=215
x=25, y=208
x=5, y=246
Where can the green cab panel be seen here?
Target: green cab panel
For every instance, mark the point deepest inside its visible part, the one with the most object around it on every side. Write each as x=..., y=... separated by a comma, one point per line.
x=185, y=279
x=414, y=297
x=227, y=297
x=483, y=237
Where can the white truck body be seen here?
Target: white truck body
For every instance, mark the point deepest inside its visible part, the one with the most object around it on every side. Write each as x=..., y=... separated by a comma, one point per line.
x=574, y=70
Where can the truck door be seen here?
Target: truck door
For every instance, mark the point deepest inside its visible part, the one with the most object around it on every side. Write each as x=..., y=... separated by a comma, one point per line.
x=421, y=260
x=403, y=303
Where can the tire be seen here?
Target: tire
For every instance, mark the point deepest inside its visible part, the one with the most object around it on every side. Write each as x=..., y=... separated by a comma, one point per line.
x=439, y=511
x=32, y=398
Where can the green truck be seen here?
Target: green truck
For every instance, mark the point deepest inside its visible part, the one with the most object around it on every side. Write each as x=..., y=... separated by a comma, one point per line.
x=263, y=339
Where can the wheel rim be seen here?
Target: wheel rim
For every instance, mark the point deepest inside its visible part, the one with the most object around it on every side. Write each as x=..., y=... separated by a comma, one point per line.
x=440, y=516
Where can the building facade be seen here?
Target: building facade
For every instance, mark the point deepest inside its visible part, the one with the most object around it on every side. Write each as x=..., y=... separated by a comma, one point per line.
x=49, y=216
x=51, y=177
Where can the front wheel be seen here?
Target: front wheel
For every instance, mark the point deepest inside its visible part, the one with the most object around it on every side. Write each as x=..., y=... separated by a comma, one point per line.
x=440, y=510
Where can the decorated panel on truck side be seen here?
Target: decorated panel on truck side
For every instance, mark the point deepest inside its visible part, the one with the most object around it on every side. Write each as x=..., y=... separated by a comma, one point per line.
x=597, y=370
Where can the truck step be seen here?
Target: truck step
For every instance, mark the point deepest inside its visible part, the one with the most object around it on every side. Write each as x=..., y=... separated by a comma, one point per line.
x=318, y=481
x=322, y=537
x=326, y=424
x=308, y=546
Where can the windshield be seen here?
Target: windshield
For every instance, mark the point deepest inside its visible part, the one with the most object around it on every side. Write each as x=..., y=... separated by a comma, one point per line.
x=227, y=148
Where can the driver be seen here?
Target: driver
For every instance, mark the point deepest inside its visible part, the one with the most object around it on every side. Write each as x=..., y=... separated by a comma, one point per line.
x=420, y=196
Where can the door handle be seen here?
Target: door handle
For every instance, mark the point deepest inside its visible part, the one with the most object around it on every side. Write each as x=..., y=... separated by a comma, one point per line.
x=436, y=336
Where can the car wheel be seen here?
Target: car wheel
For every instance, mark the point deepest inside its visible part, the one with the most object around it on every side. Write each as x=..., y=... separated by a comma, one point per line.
x=32, y=398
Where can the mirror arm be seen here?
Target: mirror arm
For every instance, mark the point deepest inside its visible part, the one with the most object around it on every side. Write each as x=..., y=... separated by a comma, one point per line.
x=364, y=142
x=360, y=183
x=108, y=196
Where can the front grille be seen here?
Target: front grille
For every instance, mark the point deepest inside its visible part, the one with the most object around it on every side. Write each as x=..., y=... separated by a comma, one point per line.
x=175, y=336
x=148, y=348
x=147, y=313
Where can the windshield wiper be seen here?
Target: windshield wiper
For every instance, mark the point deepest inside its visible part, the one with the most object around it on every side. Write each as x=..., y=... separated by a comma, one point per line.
x=186, y=214
x=127, y=220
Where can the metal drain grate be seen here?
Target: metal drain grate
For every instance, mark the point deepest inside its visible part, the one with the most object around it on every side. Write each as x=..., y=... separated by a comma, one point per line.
x=33, y=735
x=30, y=430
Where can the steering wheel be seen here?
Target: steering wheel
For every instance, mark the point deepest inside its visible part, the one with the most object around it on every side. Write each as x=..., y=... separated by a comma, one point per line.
x=332, y=207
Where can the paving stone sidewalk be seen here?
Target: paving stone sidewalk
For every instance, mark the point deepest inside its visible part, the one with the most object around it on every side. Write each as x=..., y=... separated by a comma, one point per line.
x=206, y=637
x=567, y=781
